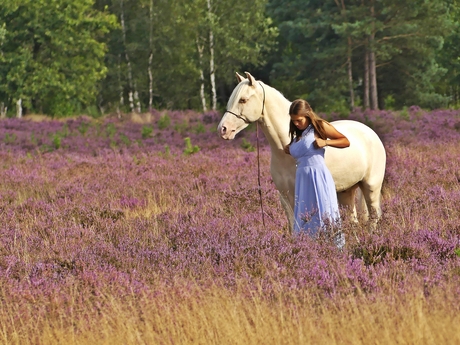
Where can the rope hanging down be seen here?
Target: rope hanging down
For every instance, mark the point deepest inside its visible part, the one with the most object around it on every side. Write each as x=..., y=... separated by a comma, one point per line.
x=258, y=175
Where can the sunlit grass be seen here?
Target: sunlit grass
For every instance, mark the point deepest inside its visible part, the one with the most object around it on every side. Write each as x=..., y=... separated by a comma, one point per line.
x=187, y=314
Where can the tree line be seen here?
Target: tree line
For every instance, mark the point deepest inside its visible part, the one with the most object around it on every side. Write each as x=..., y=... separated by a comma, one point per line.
x=65, y=57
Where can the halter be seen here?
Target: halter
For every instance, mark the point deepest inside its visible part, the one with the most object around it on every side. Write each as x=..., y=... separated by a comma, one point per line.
x=258, y=153
x=241, y=117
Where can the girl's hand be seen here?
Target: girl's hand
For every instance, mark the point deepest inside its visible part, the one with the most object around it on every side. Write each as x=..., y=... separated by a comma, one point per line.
x=286, y=150
x=320, y=143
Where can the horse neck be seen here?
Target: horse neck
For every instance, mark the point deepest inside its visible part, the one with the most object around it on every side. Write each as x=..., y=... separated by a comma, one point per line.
x=276, y=119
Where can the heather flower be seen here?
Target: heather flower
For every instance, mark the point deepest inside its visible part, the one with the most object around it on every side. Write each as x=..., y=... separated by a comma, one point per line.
x=108, y=213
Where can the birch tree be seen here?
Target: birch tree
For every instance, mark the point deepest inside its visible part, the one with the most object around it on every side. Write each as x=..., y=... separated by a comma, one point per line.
x=212, y=65
x=52, y=54
x=133, y=95
x=151, y=15
x=200, y=49
x=160, y=42
x=236, y=36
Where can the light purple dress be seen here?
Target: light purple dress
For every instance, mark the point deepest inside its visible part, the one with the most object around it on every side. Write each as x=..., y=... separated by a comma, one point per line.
x=315, y=195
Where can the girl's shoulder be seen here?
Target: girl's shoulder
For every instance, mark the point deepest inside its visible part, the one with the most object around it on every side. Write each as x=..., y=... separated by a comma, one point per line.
x=308, y=130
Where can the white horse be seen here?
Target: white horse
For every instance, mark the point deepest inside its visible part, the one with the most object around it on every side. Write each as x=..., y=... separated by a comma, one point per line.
x=362, y=164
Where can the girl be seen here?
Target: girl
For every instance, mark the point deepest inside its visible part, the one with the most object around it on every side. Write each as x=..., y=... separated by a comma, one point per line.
x=315, y=195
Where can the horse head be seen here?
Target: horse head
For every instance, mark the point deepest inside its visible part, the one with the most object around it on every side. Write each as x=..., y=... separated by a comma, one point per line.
x=246, y=105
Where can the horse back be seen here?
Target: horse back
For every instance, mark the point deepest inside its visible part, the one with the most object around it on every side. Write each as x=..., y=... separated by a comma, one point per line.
x=363, y=160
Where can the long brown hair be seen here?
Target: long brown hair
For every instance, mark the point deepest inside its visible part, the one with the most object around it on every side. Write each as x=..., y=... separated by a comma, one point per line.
x=301, y=107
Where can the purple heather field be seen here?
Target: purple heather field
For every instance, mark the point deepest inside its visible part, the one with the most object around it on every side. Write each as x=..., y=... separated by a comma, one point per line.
x=127, y=207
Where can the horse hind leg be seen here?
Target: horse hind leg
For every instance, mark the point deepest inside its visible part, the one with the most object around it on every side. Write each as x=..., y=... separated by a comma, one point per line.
x=363, y=210
x=372, y=196
x=346, y=199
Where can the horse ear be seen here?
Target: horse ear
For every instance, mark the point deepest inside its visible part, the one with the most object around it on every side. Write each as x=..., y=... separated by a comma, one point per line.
x=239, y=77
x=252, y=81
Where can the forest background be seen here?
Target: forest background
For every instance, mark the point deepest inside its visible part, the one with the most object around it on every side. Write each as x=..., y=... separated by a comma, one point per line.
x=68, y=57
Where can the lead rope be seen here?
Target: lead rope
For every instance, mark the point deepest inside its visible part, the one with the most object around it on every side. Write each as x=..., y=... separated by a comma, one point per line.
x=258, y=175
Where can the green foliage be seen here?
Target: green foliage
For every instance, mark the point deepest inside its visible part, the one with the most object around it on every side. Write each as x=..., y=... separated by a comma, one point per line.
x=110, y=130
x=181, y=127
x=9, y=138
x=92, y=111
x=124, y=138
x=164, y=121
x=389, y=102
x=64, y=132
x=242, y=37
x=167, y=151
x=404, y=114
x=247, y=146
x=199, y=128
x=449, y=59
x=33, y=140
x=146, y=132
x=56, y=138
x=170, y=38
x=83, y=128
x=189, y=148
x=59, y=106
x=52, y=53
x=2, y=33
x=316, y=37
x=56, y=141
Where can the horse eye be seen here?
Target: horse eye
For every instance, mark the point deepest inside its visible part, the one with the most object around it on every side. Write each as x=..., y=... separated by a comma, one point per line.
x=243, y=100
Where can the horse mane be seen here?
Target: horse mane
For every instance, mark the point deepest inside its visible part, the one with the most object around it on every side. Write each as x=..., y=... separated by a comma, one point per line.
x=275, y=90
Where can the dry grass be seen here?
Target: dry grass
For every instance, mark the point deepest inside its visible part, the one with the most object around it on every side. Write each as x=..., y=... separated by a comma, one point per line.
x=216, y=316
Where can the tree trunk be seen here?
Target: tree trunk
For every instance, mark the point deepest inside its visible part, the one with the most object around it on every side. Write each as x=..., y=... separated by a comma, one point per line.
x=200, y=57
x=151, y=57
x=3, y=110
x=366, y=78
x=342, y=8
x=372, y=66
x=120, y=86
x=212, y=72
x=19, y=108
x=132, y=93
x=136, y=97
x=350, y=75
x=373, y=81
x=150, y=81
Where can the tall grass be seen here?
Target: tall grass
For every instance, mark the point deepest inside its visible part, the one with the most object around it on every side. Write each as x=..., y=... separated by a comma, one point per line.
x=187, y=314
x=106, y=239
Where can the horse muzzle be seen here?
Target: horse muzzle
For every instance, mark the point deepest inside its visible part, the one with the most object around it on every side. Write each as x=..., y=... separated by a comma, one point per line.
x=225, y=132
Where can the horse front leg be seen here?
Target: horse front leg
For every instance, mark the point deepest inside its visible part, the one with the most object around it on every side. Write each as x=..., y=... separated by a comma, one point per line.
x=288, y=205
